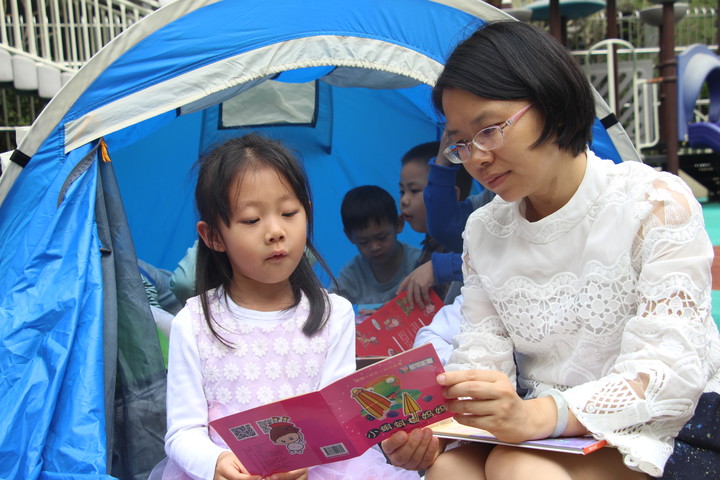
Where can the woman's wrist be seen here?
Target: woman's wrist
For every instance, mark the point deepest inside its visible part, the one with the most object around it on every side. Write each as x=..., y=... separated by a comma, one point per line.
x=561, y=412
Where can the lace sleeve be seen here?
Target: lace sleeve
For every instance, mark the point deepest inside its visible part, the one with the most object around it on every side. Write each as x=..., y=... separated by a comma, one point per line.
x=665, y=359
x=483, y=342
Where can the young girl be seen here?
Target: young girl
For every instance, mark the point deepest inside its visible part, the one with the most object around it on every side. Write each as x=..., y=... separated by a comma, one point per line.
x=263, y=328
x=587, y=284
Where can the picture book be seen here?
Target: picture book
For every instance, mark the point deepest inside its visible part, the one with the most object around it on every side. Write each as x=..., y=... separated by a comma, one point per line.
x=341, y=420
x=457, y=431
x=392, y=328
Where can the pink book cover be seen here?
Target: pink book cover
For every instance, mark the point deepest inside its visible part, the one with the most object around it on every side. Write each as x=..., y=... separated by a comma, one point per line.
x=341, y=420
x=393, y=327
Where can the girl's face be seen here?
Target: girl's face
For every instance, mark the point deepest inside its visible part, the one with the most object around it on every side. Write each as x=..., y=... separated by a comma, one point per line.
x=413, y=178
x=266, y=237
x=545, y=175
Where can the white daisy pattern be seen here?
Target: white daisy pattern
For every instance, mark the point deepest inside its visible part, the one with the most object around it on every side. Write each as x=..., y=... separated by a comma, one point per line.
x=204, y=349
x=304, y=387
x=317, y=344
x=240, y=349
x=300, y=345
x=231, y=372
x=265, y=394
x=212, y=373
x=244, y=328
x=292, y=369
x=242, y=395
x=312, y=367
x=281, y=346
x=223, y=395
x=272, y=370
x=267, y=327
x=285, y=391
x=219, y=350
x=251, y=371
x=260, y=347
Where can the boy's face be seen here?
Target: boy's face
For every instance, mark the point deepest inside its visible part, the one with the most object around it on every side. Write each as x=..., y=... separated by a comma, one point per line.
x=413, y=178
x=377, y=242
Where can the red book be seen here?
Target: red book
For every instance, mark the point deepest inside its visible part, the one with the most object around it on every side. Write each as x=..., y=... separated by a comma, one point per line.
x=392, y=328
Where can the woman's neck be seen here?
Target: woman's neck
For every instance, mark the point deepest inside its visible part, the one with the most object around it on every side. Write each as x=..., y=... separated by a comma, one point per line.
x=559, y=192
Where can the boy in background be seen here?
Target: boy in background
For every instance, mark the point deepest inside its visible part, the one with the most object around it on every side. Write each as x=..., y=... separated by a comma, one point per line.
x=371, y=222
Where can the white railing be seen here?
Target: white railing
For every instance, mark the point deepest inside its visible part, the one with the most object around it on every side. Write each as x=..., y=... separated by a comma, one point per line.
x=66, y=32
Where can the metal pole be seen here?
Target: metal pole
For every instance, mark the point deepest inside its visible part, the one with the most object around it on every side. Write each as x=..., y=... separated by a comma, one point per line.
x=554, y=13
x=611, y=17
x=668, y=73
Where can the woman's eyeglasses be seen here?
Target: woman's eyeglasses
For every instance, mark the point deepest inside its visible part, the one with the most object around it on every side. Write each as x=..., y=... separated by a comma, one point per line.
x=489, y=138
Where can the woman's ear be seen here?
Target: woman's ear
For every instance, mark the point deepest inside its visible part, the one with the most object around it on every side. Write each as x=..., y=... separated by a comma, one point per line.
x=210, y=237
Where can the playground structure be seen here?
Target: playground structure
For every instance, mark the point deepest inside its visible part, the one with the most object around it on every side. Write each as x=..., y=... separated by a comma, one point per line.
x=699, y=124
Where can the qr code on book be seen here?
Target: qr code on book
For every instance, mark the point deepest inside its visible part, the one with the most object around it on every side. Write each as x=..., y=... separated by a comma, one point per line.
x=241, y=432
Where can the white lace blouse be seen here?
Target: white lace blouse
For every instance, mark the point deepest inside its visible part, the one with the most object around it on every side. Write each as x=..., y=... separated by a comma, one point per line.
x=605, y=298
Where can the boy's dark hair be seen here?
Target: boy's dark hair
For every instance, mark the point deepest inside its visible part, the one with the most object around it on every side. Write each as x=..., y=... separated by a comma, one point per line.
x=420, y=153
x=424, y=152
x=218, y=172
x=366, y=204
x=510, y=60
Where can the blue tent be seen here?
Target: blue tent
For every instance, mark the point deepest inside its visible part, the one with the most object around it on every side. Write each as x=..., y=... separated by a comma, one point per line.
x=104, y=175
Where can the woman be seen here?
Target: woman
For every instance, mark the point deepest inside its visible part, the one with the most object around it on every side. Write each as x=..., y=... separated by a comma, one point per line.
x=587, y=284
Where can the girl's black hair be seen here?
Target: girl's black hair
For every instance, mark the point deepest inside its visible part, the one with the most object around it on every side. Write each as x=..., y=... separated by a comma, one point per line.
x=218, y=172
x=512, y=60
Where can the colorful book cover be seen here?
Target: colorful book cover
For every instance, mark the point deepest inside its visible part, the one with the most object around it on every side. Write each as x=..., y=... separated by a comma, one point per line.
x=392, y=328
x=457, y=431
x=341, y=420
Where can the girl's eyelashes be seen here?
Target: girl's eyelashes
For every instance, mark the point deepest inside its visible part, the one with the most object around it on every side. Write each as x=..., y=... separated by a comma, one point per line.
x=251, y=221
x=290, y=214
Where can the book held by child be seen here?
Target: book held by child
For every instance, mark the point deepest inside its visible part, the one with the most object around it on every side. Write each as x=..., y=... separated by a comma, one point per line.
x=341, y=420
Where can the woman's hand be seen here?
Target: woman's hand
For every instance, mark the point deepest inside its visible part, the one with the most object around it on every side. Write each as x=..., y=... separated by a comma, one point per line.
x=414, y=451
x=487, y=399
x=228, y=467
x=418, y=284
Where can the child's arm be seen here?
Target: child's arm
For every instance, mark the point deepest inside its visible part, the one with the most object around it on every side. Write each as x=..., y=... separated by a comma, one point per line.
x=340, y=358
x=441, y=331
x=187, y=441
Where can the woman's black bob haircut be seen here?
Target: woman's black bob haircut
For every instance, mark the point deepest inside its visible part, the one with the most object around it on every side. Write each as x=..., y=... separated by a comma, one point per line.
x=511, y=60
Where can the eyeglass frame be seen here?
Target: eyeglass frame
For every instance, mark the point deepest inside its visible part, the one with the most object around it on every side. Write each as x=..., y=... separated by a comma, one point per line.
x=454, y=158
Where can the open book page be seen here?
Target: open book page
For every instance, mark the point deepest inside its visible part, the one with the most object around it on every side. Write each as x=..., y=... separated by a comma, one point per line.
x=343, y=419
x=392, y=328
x=456, y=431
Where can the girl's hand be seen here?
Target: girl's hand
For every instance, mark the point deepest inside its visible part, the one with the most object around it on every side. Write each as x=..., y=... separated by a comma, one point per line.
x=301, y=474
x=487, y=399
x=414, y=451
x=228, y=467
